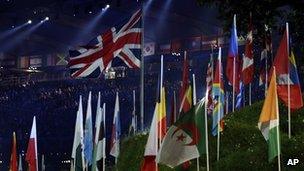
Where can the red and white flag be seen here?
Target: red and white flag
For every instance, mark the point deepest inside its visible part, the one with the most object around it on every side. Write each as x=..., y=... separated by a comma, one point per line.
x=31, y=154
x=248, y=68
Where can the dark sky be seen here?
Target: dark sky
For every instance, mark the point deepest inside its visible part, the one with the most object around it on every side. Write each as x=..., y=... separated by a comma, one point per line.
x=164, y=21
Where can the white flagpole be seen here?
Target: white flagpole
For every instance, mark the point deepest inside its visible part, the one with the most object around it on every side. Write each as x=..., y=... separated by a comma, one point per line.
x=219, y=109
x=249, y=94
x=133, y=113
x=288, y=91
x=234, y=63
x=227, y=103
x=194, y=103
x=278, y=130
x=142, y=73
x=206, y=131
x=161, y=92
x=104, y=144
x=175, y=107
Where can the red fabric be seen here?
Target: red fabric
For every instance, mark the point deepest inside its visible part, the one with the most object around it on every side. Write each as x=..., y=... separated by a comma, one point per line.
x=281, y=59
x=296, y=101
x=31, y=155
x=163, y=125
x=185, y=83
x=229, y=73
x=247, y=73
x=149, y=164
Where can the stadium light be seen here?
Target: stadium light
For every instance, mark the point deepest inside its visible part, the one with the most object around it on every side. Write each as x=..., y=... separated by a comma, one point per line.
x=29, y=22
x=47, y=18
x=107, y=6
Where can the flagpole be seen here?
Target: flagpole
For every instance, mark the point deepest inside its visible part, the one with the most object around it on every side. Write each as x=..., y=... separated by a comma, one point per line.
x=142, y=73
x=206, y=131
x=161, y=93
x=105, y=142
x=288, y=85
x=249, y=94
x=227, y=103
x=278, y=130
x=134, y=101
x=174, y=101
x=194, y=102
x=233, y=86
x=219, y=108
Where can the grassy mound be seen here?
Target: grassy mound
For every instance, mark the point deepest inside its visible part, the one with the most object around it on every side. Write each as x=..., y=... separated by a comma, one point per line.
x=242, y=144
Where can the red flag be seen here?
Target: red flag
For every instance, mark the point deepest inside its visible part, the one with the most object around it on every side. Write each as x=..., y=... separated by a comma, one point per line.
x=185, y=82
x=209, y=82
x=287, y=75
x=13, y=162
x=248, y=68
x=31, y=154
x=173, y=110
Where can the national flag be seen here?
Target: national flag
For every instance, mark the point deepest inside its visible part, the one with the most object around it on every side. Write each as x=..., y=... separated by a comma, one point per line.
x=122, y=43
x=31, y=154
x=240, y=96
x=185, y=140
x=77, y=152
x=287, y=75
x=149, y=49
x=248, y=67
x=132, y=128
x=265, y=61
x=162, y=115
x=232, y=69
x=100, y=139
x=20, y=163
x=151, y=149
x=269, y=120
x=115, y=139
x=185, y=85
x=218, y=95
x=209, y=82
x=13, y=161
x=88, y=134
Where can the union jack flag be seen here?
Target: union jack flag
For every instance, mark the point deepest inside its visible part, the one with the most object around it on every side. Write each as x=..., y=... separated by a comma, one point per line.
x=91, y=60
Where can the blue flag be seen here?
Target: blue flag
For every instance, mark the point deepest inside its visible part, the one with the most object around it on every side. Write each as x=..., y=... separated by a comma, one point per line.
x=239, y=97
x=88, y=134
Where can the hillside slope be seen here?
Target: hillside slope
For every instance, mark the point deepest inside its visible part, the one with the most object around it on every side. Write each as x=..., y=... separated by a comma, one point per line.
x=242, y=144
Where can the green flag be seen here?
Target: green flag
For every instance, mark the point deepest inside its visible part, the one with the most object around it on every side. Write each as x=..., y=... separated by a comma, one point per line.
x=185, y=140
x=77, y=152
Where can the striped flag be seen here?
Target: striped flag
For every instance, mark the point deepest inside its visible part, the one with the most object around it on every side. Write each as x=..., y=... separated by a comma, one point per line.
x=184, y=107
x=218, y=95
x=115, y=139
x=209, y=82
x=248, y=67
x=269, y=120
x=31, y=154
x=232, y=69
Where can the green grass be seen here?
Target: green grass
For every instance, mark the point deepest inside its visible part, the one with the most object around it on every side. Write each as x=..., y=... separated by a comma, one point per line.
x=242, y=144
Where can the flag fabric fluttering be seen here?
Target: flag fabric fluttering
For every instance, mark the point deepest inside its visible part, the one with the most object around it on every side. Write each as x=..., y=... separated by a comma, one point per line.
x=265, y=61
x=88, y=134
x=99, y=139
x=209, y=82
x=240, y=96
x=13, y=161
x=77, y=151
x=218, y=96
x=232, y=67
x=162, y=115
x=31, y=154
x=269, y=120
x=248, y=67
x=116, y=43
x=115, y=138
x=185, y=140
x=185, y=85
x=287, y=75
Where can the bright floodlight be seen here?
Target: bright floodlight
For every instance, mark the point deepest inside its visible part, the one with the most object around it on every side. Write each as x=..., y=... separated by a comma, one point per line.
x=107, y=6
x=29, y=22
x=47, y=18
